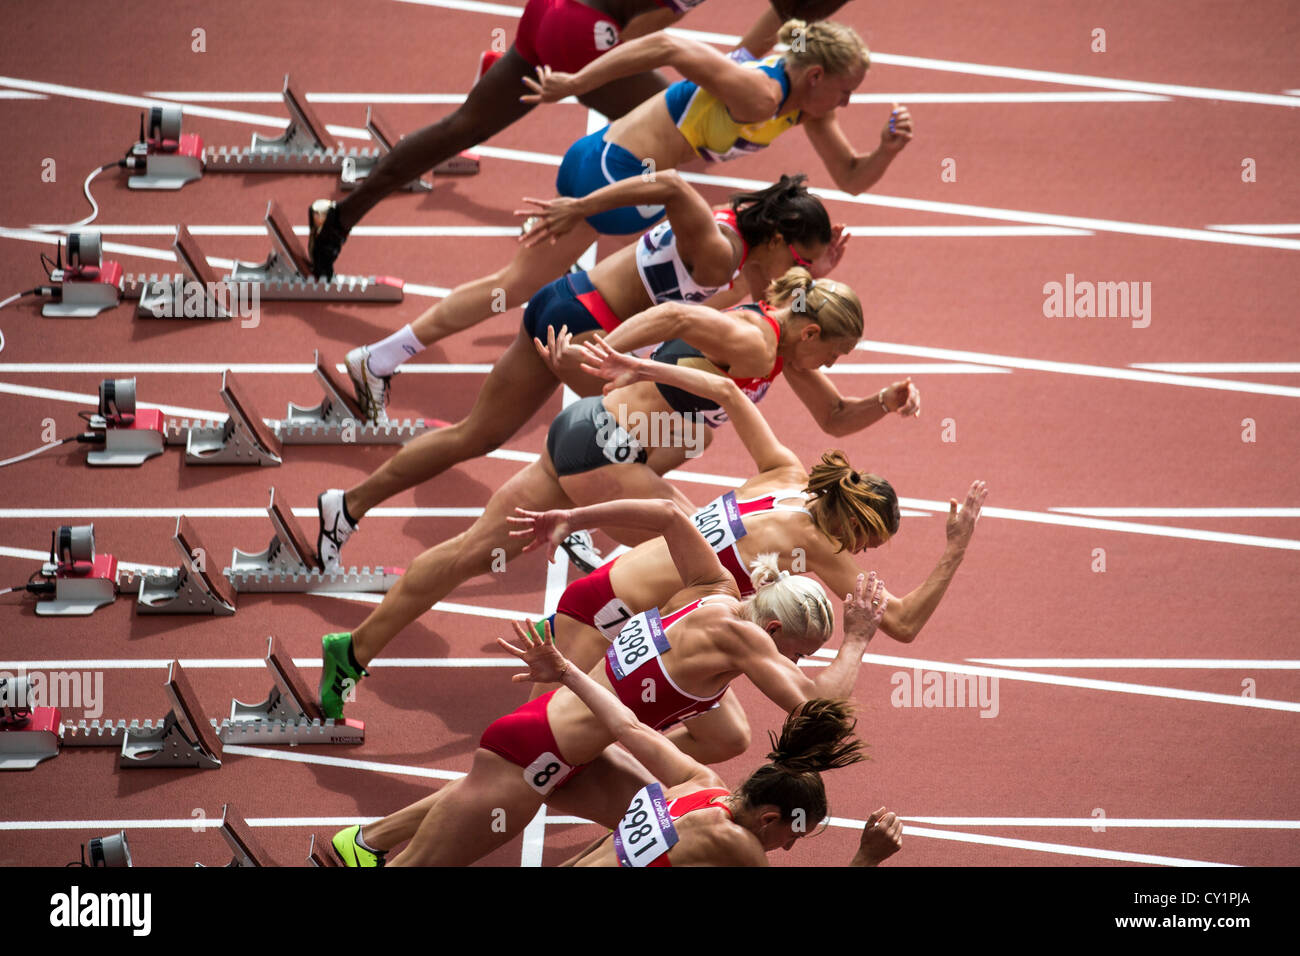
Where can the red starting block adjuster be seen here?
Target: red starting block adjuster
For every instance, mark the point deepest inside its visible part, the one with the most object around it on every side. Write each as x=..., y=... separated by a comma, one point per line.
x=87, y=285
x=130, y=437
x=169, y=158
x=83, y=580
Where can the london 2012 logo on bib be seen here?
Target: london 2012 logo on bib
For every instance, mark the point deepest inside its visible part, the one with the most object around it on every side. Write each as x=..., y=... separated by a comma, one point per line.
x=606, y=35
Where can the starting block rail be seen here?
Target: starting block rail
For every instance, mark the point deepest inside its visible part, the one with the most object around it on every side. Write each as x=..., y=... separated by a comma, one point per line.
x=306, y=146
x=285, y=275
x=290, y=564
x=239, y=837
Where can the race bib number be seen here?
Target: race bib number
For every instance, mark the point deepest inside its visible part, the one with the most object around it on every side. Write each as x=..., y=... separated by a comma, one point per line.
x=719, y=522
x=642, y=639
x=619, y=447
x=546, y=773
x=646, y=831
x=611, y=618
x=606, y=35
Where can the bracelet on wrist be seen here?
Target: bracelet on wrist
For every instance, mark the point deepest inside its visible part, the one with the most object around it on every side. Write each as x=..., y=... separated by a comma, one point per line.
x=881, y=398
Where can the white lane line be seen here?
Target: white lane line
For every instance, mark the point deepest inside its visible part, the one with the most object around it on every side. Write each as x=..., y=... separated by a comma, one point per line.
x=948, y=66
x=19, y=95
x=446, y=606
x=1249, y=368
x=1084, y=683
x=455, y=99
x=984, y=212
x=915, y=368
x=32, y=391
x=961, y=232
x=1262, y=228
x=191, y=109
x=346, y=762
x=1073, y=368
x=1041, y=847
x=1108, y=822
x=1183, y=512
x=1142, y=663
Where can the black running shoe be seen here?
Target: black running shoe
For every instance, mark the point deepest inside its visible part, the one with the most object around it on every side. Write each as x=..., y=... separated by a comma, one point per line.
x=325, y=237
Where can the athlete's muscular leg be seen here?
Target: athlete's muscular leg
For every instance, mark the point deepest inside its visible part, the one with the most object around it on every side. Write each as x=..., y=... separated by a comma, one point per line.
x=716, y=735
x=441, y=569
x=612, y=482
x=603, y=790
x=531, y=268
x=491, y=106
x=491, y=805
x=516, y=387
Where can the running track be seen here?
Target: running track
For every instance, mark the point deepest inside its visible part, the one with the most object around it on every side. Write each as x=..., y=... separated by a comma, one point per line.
x=1119, y=693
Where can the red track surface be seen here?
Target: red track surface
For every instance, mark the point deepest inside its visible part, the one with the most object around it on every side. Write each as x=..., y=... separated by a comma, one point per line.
x=1041, y=439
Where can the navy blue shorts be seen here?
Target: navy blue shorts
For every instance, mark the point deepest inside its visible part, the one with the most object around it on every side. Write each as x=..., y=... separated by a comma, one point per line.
x=592, y=163
x=571, y=301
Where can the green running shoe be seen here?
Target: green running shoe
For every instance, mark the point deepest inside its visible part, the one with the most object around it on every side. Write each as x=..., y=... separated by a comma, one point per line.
x=351, y=852
x=338, y=677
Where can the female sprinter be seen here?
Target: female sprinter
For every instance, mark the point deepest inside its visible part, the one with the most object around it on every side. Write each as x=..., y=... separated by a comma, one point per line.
x=815, y=521
x=561, y=34
x=722, y=110
x=705, y=638
x=687, y=815
x=590, y=457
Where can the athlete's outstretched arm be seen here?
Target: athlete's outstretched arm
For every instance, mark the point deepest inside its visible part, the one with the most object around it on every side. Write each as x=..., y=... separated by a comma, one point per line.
x=850, y=170
x=838, y=415
x=781, y=680
x=748, y=352
x=905, y=616
x=697, y=563
x=749, y=94
x=656, y=753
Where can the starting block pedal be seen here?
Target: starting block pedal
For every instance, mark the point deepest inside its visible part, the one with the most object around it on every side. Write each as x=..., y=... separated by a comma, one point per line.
x=289, y=564
x=239, y=837
x=289, y=715
x=338, y=419
x=244, y=439
x=184, y=738
x=189, y=589
x=321, y=858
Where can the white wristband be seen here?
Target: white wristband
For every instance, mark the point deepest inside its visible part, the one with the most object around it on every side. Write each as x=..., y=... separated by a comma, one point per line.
x=741, y=55
x=881, y=398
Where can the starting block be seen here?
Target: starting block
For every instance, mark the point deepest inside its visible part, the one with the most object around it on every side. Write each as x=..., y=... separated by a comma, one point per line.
x=239, y=837
x=289, y=564
x=307, y=146
x=189, y=589
x=248, y=439
x=83, y=581
x=317, y=857
x=88, y=285
x=285, y=275
x=289, y=715
x=184, y=738
x=131, y=437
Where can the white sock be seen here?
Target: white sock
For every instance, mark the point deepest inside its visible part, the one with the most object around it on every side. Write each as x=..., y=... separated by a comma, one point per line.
x=391, y=352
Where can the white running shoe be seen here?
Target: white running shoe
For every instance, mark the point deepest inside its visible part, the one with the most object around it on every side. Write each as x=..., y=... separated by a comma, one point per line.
x=335, y=528
x=371, y=389
x=582, y=552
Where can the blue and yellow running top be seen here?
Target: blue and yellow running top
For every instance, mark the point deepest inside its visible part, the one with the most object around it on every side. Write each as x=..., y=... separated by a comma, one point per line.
x=709, y=128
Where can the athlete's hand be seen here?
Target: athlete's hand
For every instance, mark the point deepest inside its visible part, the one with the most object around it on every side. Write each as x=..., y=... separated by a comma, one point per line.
x=561, y=354
x=864, y=611
x=903, y=397
x=898, y=130
x=546, y=528
x=618, y=368
x=553, y=219
x=546, y=665
x=882, y=837
x=961, y=524
x=551, y=86
x=828, y=260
